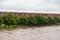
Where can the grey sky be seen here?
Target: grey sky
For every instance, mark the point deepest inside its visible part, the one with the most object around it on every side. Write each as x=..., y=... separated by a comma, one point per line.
x=30, y=5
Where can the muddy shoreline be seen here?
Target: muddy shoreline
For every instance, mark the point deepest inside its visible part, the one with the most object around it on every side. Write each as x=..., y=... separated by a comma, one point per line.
x=37, y=33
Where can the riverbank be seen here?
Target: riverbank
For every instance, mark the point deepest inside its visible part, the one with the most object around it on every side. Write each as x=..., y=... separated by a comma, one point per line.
x=27, y=27
x=41, y=33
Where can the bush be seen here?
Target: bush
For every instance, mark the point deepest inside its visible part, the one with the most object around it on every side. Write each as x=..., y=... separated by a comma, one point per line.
x=40, y=20
x=1, y=20
x=22, y=21
x=2, y=26
x=51, y=20
x=57, y=20
x=32, y=20
x=9, y=20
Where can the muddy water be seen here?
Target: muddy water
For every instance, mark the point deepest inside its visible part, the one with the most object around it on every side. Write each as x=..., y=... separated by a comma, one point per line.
x=42, y=33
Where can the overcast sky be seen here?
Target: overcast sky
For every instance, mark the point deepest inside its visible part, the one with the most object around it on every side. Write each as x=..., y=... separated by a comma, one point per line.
x=30, y=5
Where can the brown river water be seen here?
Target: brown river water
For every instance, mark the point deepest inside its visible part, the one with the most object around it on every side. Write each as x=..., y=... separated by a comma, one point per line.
x=39, y=33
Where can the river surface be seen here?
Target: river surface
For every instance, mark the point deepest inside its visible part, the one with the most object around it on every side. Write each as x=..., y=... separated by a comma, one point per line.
x=40, y=33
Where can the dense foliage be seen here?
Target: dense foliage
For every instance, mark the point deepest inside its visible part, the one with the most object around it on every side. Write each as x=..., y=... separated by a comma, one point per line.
x=9, y=21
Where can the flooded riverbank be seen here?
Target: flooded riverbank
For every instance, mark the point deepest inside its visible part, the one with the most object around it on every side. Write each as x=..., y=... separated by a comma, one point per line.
x=39, y=33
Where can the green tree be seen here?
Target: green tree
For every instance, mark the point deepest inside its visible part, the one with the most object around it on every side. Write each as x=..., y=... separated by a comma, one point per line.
x=22, y=20
x=1, y=20
x=50, y=20
x=40, y=20
x=31, y=20
x=9, y=19
x=57, y=20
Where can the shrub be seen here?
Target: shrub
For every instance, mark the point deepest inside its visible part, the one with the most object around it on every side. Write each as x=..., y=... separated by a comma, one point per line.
x=1, y=20
x=2, y=26
x=40, y=20
x=57, y=20
x=50, y=20
x=32, y=20
x=22, y=21
x=9, y=20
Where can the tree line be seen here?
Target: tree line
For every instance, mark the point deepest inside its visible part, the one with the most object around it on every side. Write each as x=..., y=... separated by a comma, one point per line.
x=9, y=19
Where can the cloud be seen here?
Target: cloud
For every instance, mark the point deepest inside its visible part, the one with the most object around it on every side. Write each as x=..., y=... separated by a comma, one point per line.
x=31, y=5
